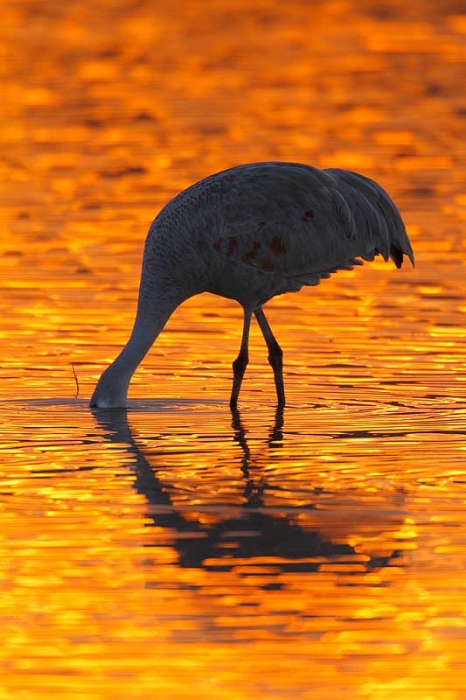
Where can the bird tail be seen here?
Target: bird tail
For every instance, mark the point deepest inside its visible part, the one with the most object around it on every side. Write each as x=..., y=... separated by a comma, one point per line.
x=385, y=235
x=399, y=242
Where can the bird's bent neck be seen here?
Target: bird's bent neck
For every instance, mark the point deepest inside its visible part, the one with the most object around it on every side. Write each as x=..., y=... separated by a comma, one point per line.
x=112, y=388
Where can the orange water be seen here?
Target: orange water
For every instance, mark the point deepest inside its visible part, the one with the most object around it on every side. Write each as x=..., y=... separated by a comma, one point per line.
x=177, y=551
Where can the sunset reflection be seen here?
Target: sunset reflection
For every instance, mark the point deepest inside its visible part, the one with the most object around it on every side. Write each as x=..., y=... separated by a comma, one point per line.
x=175, y=549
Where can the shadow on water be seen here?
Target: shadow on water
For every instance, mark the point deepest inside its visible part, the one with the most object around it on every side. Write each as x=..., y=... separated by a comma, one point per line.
x=254, y=530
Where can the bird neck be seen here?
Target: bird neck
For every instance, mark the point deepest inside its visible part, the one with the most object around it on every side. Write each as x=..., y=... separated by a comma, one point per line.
x=112, y=388
x=147, y=327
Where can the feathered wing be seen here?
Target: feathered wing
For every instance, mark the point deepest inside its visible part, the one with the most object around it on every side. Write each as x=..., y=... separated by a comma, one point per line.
x=312, y=223
x=376, y=214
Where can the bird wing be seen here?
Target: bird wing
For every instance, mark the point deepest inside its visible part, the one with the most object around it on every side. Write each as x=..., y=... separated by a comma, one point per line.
x=304, y=234
x=376, y=215
x=304, y=223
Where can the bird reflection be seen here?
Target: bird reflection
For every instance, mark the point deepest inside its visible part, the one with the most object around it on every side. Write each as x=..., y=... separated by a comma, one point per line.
x=253, y=491
x=254, y=531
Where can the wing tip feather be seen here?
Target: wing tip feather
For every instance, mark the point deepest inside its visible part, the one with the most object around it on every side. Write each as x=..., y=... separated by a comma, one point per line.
x=397, y=254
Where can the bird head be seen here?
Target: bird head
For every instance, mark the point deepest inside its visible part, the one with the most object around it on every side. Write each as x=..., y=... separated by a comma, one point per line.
x=110, y=392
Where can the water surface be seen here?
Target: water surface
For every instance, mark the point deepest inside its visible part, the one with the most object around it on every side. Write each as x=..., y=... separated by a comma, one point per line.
x=175, y=549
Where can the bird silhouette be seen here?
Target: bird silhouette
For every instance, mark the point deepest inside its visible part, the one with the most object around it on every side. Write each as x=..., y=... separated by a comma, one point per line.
x=250, y=233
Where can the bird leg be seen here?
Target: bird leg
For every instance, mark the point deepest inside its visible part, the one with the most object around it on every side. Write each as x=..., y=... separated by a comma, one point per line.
x=275, y=354
x=241, y=362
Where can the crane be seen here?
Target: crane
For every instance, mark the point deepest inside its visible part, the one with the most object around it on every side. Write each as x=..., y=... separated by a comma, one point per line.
x=250, y=233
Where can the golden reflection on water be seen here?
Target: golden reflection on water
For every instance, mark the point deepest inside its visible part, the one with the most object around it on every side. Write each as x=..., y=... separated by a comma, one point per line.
x=165, y=546
x=176, y=550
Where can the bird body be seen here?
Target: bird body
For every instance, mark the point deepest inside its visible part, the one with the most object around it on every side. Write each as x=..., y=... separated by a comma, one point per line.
x=250, y=233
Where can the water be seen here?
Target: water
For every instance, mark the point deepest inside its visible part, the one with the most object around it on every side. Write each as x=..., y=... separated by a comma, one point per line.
x=175, y=549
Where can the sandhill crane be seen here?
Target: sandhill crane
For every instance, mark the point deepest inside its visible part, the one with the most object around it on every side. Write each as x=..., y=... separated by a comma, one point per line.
x=250, y=233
